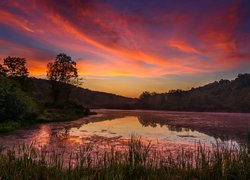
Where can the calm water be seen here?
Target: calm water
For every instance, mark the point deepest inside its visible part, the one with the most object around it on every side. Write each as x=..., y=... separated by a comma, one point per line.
x=170, y=130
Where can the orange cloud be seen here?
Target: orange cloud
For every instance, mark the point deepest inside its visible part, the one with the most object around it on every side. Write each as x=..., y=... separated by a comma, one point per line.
x=184, y=47
x=115, y=44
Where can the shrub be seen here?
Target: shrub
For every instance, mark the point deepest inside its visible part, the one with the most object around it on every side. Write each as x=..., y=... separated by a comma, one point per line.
x=14, y=103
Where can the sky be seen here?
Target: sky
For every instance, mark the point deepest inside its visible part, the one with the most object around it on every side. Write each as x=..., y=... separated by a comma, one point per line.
x=126, y=47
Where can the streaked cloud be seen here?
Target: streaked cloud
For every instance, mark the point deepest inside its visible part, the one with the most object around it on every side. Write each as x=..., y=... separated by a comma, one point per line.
x=149, y=39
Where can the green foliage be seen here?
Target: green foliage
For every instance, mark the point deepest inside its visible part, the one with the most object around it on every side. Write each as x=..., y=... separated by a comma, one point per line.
x=20, y=97
x=15, y=104
x=63, y=112
x=20, y=104
x=7, y=126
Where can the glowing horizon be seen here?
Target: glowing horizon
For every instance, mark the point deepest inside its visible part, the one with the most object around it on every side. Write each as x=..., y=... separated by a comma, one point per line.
x=126, y=47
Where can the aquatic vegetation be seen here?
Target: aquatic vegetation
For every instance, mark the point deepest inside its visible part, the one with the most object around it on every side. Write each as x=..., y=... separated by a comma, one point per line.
x=138, y=161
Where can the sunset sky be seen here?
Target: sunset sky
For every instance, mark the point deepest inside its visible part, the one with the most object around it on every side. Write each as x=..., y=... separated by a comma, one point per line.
x=129, y=46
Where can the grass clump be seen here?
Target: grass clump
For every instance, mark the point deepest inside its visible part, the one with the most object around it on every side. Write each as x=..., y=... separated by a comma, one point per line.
x=137, y=161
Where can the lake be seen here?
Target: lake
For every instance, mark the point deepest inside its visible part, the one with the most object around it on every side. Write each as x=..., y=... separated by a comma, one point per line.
x=163, y=129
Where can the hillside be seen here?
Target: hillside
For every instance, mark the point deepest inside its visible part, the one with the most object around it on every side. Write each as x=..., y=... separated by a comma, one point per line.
x=41, y=89
x=223, y=95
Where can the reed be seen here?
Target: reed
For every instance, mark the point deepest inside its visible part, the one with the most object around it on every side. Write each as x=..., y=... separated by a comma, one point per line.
x=137, y=161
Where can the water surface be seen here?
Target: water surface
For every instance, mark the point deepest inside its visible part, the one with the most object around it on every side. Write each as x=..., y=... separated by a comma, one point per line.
x=162, y=129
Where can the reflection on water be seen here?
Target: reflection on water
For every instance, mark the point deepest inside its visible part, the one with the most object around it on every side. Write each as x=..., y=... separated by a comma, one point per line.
x=124, y=127
x=109, y=127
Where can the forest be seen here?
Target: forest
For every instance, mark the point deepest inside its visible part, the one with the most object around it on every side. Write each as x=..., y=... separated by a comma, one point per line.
x=223, y=96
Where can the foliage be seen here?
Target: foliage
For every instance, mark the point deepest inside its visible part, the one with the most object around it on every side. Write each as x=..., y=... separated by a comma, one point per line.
x=19, y=100
x=15, y=67
x=63, y=112
x=224, y=95
x=63, y=69
x=20, y=104
x=3, y=70
x=9, y=126
x=15, y=104
x=138, y=161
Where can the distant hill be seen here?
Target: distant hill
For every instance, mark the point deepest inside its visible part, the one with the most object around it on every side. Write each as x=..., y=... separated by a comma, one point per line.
x=223, y=95
x=41, y=89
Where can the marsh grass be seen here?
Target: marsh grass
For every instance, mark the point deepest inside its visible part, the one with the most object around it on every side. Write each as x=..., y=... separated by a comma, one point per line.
x=137, y=161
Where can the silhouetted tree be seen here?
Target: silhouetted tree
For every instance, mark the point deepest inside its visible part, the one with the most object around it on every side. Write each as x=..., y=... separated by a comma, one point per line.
x=15, y=67
x=243, y=80
x=145, y=99
x=64, y=70
x=3, y=70
x=145, y=95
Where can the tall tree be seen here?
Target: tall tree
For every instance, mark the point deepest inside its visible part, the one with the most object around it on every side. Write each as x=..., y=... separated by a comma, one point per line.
x=63, y=69
x=16, y=67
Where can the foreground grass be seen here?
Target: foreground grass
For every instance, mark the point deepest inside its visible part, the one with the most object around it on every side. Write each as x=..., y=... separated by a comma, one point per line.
x=138, y=161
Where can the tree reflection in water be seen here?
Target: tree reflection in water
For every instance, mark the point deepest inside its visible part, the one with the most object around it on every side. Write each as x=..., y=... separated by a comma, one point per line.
x=153, y=121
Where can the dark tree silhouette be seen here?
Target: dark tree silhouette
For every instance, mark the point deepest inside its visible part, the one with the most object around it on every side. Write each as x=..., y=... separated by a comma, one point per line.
x=15, y=67
x=144, y=99
x=223, y=95
x=63, y=69
x=145, y=95
x=3, y=70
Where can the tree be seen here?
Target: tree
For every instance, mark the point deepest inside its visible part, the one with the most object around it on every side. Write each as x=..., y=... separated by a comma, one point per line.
x=64, y=70
x=15, y=67
x=3, y=70
x=145, y=99
x=145, y=95
x=15, y=104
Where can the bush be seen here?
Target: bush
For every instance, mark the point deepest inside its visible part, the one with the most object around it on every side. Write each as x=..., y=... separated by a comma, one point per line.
x=9, y=126
x=14, y=103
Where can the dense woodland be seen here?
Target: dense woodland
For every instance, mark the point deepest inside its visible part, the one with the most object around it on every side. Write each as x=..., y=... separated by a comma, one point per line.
x=223, y=95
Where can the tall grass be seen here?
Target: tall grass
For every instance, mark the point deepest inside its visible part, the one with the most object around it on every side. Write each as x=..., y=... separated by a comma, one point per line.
x=137, y=161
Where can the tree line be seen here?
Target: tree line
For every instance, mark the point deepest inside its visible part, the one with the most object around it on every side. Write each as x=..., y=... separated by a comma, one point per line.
x=223, y=95
x=62, y=69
